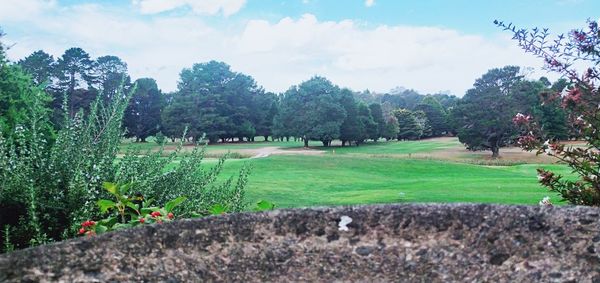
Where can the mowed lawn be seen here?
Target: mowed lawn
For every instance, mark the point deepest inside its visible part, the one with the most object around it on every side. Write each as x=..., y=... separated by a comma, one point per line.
x=300, y=181
x=372, y=173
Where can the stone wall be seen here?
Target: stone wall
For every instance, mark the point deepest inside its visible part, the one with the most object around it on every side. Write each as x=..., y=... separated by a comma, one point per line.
x=414, y=242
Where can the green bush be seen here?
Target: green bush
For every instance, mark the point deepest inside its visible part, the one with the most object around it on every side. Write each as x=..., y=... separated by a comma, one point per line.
x=48, y=188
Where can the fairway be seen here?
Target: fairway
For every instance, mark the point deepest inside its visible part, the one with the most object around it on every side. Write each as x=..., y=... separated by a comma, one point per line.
x=354, y=175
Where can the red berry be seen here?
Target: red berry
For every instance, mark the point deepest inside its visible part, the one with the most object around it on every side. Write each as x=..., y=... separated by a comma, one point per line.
x=155, y=214
x=142, y=220
x=81, y=231
x=170, y=215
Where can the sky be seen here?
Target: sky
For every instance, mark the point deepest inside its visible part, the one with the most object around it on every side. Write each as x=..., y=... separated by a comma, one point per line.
x=428, y=45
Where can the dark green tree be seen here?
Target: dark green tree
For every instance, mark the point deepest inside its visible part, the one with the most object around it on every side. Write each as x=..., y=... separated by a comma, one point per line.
x=371, y=129
x=142, y=116
x=484, y=115
x=110, y=73
x=351, y=129
x=408, y=126
x=223, y=101
x=40, y=65
x=314, y=110
x=436, y=115
x=378, y=118
x=391, y=128
x=74, y=78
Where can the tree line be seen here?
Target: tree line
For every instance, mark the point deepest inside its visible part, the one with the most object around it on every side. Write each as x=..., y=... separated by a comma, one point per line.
x=214, y=101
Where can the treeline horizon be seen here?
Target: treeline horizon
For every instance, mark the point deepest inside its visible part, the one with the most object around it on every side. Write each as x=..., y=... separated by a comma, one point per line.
x=220, y=104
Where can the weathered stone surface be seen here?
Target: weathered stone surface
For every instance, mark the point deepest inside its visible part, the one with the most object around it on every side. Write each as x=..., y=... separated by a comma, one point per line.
x=415, y=242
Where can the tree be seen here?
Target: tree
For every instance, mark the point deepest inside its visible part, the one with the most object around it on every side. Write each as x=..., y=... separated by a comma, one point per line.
x=142, y=116
x=351, y=128
x=40, y=65
x=314, y=110
x=391, y=128
x=408, y=127
x=224, y=101
x=75, y=76
x=483, y=115
x=110, y=73
x=581, y=99
x=436, y=115
x=377, y=114
x=264, y=109
x=367, y=123
x=75, y=70
x=177, y=115
x=425, y=130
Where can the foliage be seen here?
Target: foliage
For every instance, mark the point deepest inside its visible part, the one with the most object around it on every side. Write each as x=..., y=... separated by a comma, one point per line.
x=352, y=129
x=127, y=210
x=313, y=111
x=408, y=126
x=435, y=114
x=391, y=128
x=483, y=115
x=40, y=65
x=49, y=188
x=581, y=99
x=261, y=205
x=142, y=116
x=379, y=119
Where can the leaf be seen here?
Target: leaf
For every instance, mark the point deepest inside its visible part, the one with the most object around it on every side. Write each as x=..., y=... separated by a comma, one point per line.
x=148, y=210
x=101, y=229
x=119, y=226
x=217, y=209
x=105, y=205
x=264, y=205
x=111, y=187
x=173, y=203
x=132, y=206
x=125, y=188
x=108, y=222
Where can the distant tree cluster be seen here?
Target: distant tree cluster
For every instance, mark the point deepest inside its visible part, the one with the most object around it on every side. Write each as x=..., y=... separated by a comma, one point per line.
x=214, y=101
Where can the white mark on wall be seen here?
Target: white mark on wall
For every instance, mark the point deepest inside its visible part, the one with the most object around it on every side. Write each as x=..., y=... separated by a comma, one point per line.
x=344, y=220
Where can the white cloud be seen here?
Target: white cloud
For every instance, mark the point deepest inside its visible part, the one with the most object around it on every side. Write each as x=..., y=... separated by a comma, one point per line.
x=209, y=7
x=277, y=54
x=13, y=10
x=369, y=3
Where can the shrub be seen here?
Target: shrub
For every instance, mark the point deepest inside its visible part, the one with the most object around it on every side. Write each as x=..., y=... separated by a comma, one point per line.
x=581, y=99
x=50, y=188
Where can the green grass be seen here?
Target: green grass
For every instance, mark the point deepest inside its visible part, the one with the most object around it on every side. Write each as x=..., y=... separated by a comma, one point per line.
x=394, y=147
x=373, y=173
x=299, y=181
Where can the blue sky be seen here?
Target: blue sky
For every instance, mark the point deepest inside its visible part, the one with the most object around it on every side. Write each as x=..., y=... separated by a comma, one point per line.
x=428, y=45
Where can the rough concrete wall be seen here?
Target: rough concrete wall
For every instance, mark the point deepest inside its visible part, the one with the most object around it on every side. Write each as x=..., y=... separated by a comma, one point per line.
x=412, y=242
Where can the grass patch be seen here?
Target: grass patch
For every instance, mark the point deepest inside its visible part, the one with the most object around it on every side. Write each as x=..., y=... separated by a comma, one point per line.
x=300, y=181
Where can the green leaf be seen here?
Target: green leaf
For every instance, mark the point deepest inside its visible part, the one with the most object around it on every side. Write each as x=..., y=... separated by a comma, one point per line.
x=217, y=209
x=101, y=229
x=108, y=222
x=148, y=210
x=264, y=205
x=111, y=187
x=173, y=203
x=132, y=206
x=125, y=188
x=105, y=205
x=119, y=226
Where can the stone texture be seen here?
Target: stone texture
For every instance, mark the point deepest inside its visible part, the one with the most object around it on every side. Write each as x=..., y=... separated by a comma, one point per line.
x=414, y=242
